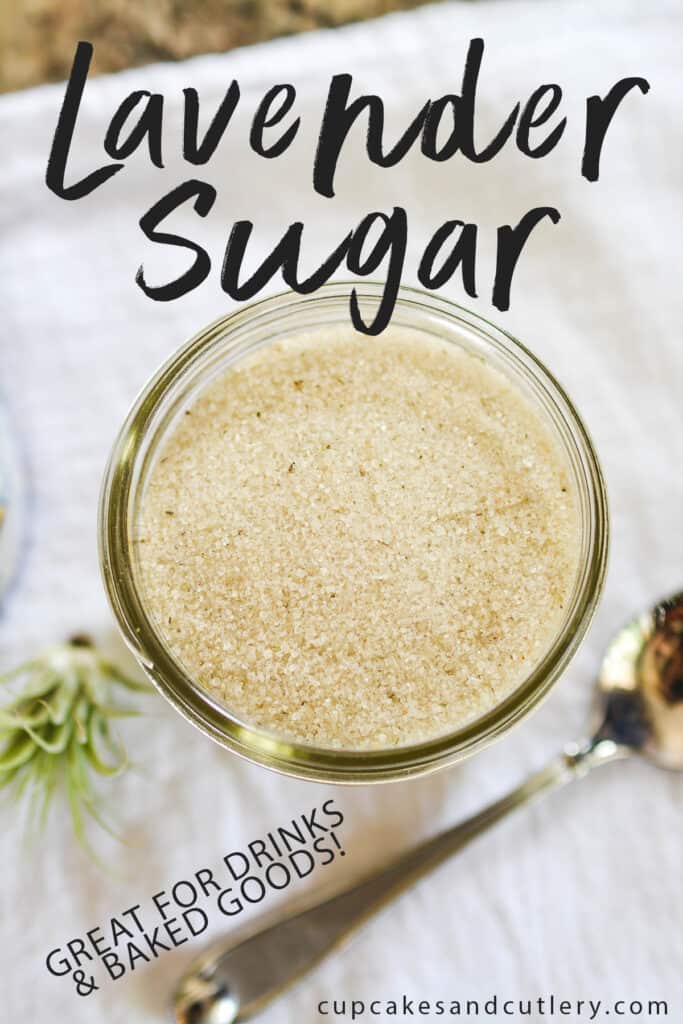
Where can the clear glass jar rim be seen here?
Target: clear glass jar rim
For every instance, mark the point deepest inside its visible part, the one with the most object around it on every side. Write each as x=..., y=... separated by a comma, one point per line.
x=193, y=701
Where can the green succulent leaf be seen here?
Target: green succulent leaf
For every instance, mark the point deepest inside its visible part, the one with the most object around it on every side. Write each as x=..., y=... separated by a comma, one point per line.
x=19, y=749
x=55, y=731
x=105, y=754
x=53, y=739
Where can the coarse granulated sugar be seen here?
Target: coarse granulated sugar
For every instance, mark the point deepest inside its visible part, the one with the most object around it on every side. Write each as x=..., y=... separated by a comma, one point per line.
x=359, y=542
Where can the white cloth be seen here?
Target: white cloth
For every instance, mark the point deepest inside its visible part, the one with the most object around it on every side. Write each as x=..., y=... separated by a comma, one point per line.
x=579, y=895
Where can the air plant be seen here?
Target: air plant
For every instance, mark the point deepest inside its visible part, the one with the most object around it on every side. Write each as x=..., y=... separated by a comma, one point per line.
x=57, y=729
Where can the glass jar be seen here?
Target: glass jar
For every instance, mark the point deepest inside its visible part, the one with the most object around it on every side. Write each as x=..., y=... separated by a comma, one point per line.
x=176, y=385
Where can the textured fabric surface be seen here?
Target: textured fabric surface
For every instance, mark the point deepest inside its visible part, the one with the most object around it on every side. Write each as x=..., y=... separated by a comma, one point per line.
x=578, y=895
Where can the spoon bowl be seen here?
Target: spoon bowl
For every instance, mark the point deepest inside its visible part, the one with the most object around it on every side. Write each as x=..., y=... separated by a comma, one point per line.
x=641, y=685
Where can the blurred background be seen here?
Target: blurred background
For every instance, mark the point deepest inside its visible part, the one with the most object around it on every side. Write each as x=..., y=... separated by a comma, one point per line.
x=37, y=36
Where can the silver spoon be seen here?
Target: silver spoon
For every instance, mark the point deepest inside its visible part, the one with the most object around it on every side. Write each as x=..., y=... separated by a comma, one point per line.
x=640, y=690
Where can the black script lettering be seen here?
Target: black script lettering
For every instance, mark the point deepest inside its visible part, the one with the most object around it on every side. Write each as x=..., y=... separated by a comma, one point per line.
x=599, y=114
x=149, y=123
x=196, y=152
x=463, y=254
x=63, y=137
x=264, y=118
x=338, y=120
x=511, y=241
x=531, y=117
x=205, y=196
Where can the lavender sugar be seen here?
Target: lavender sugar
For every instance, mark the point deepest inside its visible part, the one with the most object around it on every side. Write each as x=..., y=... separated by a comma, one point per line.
x=359, y=543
